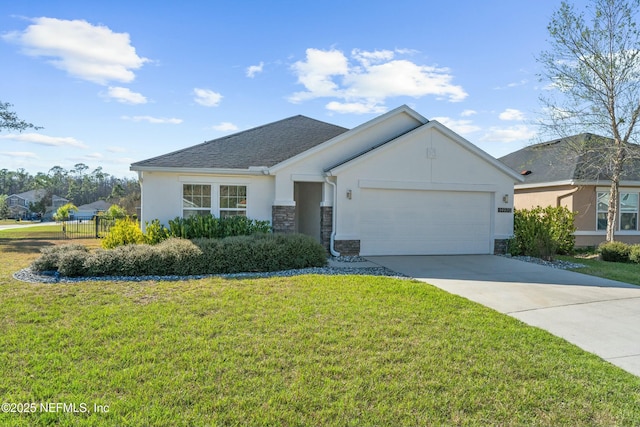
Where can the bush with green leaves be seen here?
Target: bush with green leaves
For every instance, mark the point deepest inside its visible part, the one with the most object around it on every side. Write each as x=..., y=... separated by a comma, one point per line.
x=543, y=232
x=125, y=231
x=634, y=254
x=50, y=256
x=208, y=226
x=176, y=256
x=615, y=251
x=155, y=232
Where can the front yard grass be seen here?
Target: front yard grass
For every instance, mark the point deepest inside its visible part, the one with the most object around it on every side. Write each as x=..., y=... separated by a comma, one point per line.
x=305, y=350
x=623, y=272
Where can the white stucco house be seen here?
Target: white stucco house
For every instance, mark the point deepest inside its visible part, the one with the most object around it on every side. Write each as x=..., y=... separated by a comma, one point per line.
x=397, y=184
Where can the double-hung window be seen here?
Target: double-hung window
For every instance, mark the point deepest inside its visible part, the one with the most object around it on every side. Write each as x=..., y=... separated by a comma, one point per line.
x=627, y=211
x=218, y=200
x=196, y=199
x=233, y=200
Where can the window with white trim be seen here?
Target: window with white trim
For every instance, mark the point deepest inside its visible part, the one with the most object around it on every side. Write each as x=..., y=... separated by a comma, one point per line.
x=602, y=209
x=196, y=199
x=233, y=200
x=627, y=211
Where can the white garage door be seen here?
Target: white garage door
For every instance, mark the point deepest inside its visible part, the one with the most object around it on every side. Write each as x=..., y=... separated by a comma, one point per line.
x=412, y=222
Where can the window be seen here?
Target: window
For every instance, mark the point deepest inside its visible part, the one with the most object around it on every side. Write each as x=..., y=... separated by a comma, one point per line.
x=196, y=200
x=233, y=200
x=602, y=209
x=628, y=211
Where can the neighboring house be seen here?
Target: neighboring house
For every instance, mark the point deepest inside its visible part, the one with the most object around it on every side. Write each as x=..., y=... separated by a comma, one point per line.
x=556, y=174
x=397, y=184
x=19, y=204
x=91, y=209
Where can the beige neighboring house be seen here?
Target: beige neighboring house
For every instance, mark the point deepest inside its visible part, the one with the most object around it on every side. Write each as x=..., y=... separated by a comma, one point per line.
x=398, y=184
x=555, y=175
x=19, y=203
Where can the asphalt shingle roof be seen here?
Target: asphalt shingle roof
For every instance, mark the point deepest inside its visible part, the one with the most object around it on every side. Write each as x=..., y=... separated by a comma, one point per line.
x=265, y=145
x=578, y=157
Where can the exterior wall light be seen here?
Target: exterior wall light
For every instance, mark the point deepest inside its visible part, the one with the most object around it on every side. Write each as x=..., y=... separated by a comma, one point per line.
x=505, y=198
x=349, y=194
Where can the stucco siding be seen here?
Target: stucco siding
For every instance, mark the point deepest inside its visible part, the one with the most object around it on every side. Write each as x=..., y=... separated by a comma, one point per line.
x=410, y=163
x=162, y=194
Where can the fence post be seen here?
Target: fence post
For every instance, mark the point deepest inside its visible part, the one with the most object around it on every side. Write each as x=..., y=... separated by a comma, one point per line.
x=97, y=223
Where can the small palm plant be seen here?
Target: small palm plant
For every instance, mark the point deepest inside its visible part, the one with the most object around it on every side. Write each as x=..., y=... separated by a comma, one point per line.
x=64, y=213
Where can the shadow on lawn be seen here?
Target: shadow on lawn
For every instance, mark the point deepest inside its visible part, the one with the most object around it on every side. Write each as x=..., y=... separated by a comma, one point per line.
x=25, y=245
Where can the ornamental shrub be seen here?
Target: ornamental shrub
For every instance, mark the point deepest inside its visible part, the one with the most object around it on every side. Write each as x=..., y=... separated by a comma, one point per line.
x=614, y=251
x=50, y=256
x=71, y=263
x=125, y=231
x=155, y=232
x=634, y=254
x=208, y=226
x=543, y=232
x=175, y=256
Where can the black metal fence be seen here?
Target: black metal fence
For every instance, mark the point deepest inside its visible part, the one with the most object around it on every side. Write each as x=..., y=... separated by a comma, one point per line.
x=86, y=228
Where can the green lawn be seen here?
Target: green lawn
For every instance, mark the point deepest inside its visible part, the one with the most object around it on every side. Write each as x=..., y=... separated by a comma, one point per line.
x=307, y=350
x=623, y=272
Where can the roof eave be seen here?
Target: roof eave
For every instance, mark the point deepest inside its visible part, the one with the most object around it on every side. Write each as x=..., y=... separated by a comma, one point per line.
x=252, y=170
x=576, y=182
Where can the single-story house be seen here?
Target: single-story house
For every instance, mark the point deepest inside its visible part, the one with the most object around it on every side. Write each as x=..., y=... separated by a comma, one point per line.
x=91, y=209
x=573, y=172
x=20, y=204
x=397, y=184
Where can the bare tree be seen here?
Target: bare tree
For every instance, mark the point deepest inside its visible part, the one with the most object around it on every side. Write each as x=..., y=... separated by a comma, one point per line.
x=593, y=67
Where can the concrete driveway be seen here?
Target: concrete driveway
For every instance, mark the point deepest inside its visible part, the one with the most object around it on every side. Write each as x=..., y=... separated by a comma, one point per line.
x=600, y=316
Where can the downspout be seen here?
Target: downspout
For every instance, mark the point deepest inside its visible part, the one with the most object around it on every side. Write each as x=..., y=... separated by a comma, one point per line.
x=334, y=218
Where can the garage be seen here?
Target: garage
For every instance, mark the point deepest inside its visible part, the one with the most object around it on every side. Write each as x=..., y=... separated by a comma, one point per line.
x=423, y=222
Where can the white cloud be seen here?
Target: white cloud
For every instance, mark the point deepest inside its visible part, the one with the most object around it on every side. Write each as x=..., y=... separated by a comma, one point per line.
x=114, y=149
x=206, y=97
x=463, y=127
x=125, y=96
x=40, y=139
x=254, y=69
x=355, y=107
x=511, y=114
x=225, y=127
x=468, y=113
x=316, y=74
x=509, y=134
x=89, y=52
x=22, y=154
x=369, y=79
x=155, y=120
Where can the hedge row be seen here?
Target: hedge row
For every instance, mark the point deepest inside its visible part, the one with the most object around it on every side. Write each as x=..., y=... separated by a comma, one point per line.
x=619, y=252
x=176, y=256
x=127, y=230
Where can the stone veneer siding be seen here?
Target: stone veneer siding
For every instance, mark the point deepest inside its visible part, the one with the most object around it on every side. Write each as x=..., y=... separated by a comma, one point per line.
x=500, y=246
x=326, y=226
x=347, y=247
x=283, y=219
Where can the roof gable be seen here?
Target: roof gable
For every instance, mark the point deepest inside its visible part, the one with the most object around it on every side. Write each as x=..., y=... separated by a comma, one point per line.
x=265, y=145
x=368, y=143
x=574, y=158
x=430, y=125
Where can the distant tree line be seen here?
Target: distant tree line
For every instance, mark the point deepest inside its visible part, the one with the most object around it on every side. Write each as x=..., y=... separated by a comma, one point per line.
x=79, y=185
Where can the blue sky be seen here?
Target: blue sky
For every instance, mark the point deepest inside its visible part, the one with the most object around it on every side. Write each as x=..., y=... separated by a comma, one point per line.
x=116, y=82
